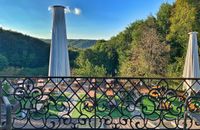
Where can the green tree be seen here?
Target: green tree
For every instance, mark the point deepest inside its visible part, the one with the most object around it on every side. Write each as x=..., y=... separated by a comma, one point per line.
x=11, y=71
x=3, y=62
x=88, y=69
x=163, y=19
x=185, y=19
x=122, y=43
x=149, y=56
x=73, y=54
x=105, y=55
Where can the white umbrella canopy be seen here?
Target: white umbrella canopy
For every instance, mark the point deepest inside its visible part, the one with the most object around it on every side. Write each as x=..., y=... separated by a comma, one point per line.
x=191, y=67
x=59, y=57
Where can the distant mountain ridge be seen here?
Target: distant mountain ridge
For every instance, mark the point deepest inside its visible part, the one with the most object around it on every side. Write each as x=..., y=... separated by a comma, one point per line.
x=77, y=43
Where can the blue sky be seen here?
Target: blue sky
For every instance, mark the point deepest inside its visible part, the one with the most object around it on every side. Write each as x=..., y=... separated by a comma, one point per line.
x=99, y=19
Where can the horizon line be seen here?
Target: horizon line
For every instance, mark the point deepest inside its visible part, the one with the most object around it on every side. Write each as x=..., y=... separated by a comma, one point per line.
x=44, y=38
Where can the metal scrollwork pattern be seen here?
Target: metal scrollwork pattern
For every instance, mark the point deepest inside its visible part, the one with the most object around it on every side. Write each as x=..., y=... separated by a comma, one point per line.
x=99, y=103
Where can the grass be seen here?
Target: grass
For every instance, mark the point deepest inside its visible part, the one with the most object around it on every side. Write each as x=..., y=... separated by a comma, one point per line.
x=80, y=111
x=172, y=113
x=104, y=110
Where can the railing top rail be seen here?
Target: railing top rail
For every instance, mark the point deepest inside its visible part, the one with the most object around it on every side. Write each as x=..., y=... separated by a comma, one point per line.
x=106, y=77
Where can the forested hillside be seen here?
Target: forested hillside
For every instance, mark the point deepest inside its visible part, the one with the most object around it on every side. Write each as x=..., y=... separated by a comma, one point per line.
x=76, y=43
x=152, y=47
x=25, y=55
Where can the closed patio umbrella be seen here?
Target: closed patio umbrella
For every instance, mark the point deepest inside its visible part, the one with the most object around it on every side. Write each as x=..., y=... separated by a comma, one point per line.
x=191, y=67
x=59, y=57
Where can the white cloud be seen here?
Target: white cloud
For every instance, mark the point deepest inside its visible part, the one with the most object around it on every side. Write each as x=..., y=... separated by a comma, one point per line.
x=50, y=8
x=67, y=10
x=77, y=11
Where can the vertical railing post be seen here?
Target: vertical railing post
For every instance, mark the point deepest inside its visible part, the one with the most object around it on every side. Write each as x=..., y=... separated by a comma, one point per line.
x=1, y=95
x=95, y=103
x=186, y=112
x=8, y=113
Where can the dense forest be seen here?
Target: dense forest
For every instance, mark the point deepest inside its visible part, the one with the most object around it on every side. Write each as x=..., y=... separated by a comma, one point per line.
x=151, y=47
x=24, y=55
x=76, y=43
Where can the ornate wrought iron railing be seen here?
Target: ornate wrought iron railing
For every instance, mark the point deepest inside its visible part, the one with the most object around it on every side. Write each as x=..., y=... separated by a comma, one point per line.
x=99, y=103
